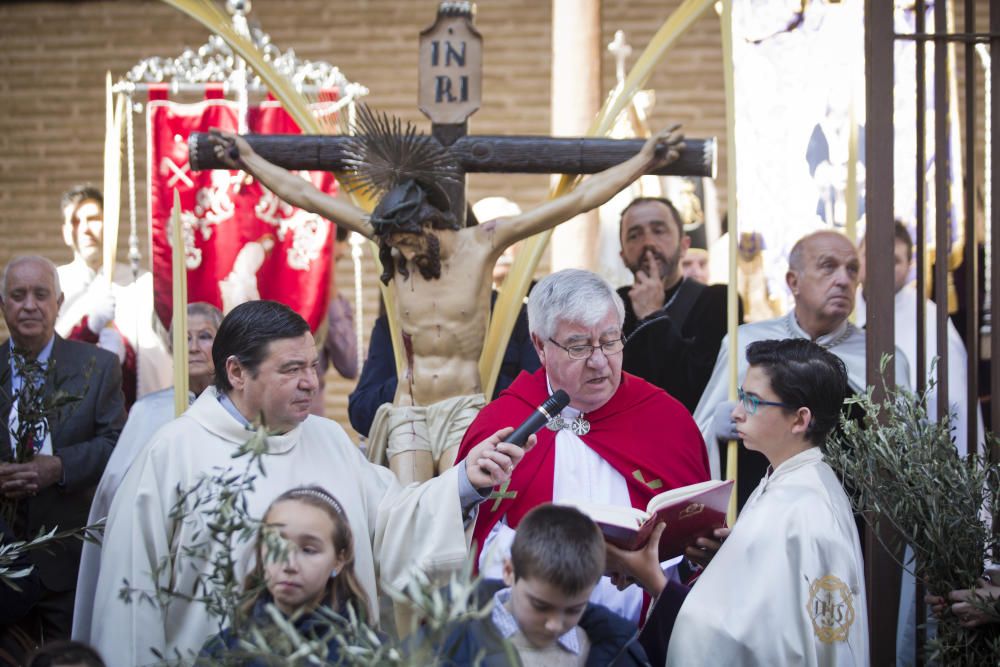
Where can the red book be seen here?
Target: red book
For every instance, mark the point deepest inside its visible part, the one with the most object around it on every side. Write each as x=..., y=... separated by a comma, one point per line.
x=690, y=512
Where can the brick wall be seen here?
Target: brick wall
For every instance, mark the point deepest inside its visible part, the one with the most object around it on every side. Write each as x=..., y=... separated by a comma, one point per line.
x=53, y=56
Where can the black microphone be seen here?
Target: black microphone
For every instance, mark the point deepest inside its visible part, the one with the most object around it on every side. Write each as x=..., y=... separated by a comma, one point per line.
x=552, y=406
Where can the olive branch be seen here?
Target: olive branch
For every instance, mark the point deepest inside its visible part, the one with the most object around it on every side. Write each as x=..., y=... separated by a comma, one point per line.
x=217, y=505
x=903, y=470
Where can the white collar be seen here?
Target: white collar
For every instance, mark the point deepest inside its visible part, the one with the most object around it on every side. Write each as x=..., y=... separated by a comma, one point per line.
x=805, y=458
x=213, y=416
x=568, y=413
x=826, y=341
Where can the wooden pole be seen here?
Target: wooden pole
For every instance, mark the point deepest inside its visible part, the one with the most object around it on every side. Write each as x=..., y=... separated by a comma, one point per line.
x=732, y=208
x=497, y=154
x=881, y=574
x=993, y=227
x=114, y=124
x=179, y=315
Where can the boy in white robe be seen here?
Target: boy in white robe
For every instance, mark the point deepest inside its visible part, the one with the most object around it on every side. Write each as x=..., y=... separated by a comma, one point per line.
x=265, y=360
x=786, y=587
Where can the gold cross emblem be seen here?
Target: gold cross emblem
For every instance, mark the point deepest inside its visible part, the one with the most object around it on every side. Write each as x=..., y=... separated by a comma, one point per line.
x=501, y=494
x=653, y=484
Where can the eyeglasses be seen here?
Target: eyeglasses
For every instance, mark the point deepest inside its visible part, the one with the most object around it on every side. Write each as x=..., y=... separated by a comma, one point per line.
x=751, y=402
x=609, y=348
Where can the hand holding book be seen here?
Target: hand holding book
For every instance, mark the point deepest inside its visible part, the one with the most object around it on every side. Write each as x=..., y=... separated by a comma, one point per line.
x=642, y=567
x=690, y=512
x=704, y=548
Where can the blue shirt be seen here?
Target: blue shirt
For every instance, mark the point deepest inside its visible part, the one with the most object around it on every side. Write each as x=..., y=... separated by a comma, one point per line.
x=507, y=626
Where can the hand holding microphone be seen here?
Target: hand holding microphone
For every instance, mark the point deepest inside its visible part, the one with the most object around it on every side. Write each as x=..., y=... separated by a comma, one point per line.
x=492, y=461
x=552, y=406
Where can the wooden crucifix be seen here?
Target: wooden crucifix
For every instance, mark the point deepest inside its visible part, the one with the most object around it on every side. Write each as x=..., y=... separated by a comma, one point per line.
x=440, y=267
x=450, y=90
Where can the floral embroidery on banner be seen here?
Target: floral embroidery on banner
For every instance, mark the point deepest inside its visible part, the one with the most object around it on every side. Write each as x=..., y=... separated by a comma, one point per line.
x=310, y=232
x=310, y=235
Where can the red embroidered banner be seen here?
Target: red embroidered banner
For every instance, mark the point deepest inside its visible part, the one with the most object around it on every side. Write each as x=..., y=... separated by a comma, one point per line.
x=241, y=242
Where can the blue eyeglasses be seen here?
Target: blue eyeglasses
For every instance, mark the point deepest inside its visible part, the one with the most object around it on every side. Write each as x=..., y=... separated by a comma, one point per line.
x=751, y=402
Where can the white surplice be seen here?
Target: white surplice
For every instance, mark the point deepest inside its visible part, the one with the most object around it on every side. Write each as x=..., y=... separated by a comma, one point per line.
x=849, y=345
x=134, y=317
x=144, y=419
x=395, y=527
x=787, y=587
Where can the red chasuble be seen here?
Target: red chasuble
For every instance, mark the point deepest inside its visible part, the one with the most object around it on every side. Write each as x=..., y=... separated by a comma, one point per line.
x=642, y=432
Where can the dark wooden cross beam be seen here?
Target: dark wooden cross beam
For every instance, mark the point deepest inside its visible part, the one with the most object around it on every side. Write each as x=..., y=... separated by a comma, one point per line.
x=473, y=154
x=450, y=91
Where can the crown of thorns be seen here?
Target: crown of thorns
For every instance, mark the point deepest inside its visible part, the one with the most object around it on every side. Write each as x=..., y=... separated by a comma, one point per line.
x=403, y=167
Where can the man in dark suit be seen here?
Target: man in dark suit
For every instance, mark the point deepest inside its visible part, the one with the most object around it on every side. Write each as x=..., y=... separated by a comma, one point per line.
x=55, y=487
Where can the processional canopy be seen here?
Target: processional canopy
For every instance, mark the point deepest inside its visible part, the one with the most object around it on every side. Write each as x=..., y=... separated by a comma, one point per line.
x=233, y=230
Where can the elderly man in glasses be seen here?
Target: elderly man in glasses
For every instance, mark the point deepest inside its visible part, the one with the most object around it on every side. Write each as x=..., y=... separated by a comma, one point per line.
x=823, y=274
x=619, y=441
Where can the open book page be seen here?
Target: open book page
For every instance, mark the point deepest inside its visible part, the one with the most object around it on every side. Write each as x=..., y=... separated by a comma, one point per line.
x=689, y=512
x=675, y=495
x=615, y=515
x=691, y=515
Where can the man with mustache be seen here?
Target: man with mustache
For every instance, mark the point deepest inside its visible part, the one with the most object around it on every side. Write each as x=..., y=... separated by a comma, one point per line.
x=823, y=274
x=673, y=323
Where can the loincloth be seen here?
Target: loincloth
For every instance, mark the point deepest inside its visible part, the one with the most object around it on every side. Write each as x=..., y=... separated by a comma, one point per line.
x=432, y=428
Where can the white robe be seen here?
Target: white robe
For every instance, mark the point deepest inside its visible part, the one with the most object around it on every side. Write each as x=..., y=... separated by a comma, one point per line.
x=787, y=587
x=851, y=351
x=906, y=340
x=144, y=419
x=134, y=317
x=395, y=527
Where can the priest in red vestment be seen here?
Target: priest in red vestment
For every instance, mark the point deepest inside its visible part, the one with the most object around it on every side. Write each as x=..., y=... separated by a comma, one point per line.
x=619, y=441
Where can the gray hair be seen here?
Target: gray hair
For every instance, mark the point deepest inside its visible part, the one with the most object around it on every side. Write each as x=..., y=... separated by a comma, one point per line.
x=201, y=309
x=206, y=310
x=21, y=259
x=571, y=295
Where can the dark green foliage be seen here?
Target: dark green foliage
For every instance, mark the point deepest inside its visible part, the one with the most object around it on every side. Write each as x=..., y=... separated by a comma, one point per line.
x=903, y=468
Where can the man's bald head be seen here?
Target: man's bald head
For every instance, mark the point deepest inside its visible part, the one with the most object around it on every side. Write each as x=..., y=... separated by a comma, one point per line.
x=807, y=242
x=45, y=262
x=823, y=270
x=30, y=298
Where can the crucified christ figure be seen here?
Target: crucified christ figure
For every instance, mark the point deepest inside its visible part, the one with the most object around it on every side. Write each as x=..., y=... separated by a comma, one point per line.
x=442, y=273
